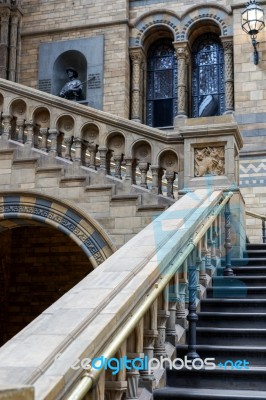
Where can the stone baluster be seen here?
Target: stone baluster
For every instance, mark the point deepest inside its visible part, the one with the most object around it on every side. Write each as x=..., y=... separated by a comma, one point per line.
x=227, y=42
x=4, y=28
x=103, y=152
x=202, y=261
x=78, y=144
x=208, y=263
x=162, y=316
x=128, y=176
x=68, y=143
x=181, y=50
x=192, y=312
x=20, y=127
x=29, y=133
x=143, y=167
x=150, y=334
x=116, y=385
x=171, y=322
x=6, y=126
x=53, y=134
x=170, y=177
x=15, y=17
x=92, y=150
x=118, y=161
x=44, y=137
x=227, y=244
x=137, y=57
x=155, y=179
x=134, y=350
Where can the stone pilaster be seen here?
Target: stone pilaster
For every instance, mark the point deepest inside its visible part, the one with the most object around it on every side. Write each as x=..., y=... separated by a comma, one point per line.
x=6, y=126
x=68, y=143
x=29, y=133
x=20, y=128
x=13, y=46
x=53, y=133
x=181, y=50
x=118, y=162
x=128, y=176
x=4, y=30
x=170, y=177
x=155, y=179
x=92, y=150
x=103, y=151
x=137, y=57
x=227, y=42
x=77, y=143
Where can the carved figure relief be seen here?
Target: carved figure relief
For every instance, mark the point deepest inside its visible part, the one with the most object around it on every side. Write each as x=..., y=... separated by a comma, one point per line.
x=209, y=161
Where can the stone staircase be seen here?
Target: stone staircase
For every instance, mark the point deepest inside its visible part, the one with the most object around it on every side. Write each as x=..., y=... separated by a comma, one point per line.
x=231, y=326
x=121, y=209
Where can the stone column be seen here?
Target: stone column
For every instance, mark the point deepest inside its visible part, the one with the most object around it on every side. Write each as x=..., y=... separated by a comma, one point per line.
x=68, y=143
x=227, y=42
x=118, y=161
x=15, y=17
x=4, y=17
x=53, y=133
x=170, y=177
x=93, y=150
x=20, y=127
x=143, y=167
x=44, y=135
x=155, y=179
x=103, y=151
x=128, y=176
x=29, y=133
x=6, y=126
x=137, y=57
x=181, y=49
x=77, y=143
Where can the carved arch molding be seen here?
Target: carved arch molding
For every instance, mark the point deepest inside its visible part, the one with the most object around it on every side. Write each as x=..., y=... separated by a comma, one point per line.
x=17, y=209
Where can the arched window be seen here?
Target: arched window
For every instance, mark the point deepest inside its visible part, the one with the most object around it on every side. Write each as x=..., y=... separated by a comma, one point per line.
x=208, y=97
x=161, y=84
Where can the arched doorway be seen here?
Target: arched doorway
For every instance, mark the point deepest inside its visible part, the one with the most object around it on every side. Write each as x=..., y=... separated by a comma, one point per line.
x=46, y=248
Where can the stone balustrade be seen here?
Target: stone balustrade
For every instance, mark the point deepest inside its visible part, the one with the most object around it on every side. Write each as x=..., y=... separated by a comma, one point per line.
x=85, y=136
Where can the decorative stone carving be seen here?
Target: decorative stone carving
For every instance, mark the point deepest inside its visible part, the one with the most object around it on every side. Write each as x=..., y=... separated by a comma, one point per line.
x=209, y=161
x=227, y=43
x=137, y=57
x=182, y=60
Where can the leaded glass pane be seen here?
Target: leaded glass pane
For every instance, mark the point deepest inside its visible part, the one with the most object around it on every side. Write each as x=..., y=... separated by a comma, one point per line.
x=207, y=76
x=161, y=84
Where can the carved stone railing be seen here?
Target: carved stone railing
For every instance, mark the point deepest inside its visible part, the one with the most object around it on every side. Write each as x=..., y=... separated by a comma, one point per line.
x=87, y=137
x=202, y=152
x=127, y=307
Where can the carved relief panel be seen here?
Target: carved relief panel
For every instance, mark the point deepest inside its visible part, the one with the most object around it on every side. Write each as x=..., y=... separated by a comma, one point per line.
x=209, y=161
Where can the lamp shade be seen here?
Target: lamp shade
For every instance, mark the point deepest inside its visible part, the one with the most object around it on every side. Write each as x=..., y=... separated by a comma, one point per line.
x=253, y=18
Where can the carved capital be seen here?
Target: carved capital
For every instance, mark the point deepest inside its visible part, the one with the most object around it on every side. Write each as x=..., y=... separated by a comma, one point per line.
x=137, y=55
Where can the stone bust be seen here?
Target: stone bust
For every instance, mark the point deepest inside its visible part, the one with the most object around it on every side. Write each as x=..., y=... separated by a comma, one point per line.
x=72, y=90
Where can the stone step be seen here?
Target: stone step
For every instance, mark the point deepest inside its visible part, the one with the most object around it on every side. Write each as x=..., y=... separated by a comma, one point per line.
x=231, y=336
x=240, y=292
x=255, y=253
x=234, y=305
x=207, y=394
x=239, y=280
x=231, y=319
x=256, y=356
x=256, y=246
x=219, y=378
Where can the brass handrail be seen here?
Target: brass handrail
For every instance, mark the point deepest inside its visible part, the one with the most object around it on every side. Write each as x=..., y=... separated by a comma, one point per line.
x=89, y=378
x=256, y=215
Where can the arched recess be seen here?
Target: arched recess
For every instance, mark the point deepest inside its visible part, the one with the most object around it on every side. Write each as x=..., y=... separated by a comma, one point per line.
x=65, y=217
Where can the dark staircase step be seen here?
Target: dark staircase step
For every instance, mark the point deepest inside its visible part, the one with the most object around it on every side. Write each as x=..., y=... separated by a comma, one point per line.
x=256, y=246
x=250, y=270
x=207, y=394
x=255, y=253
x=248, y=261
x=256, y=356
x=218, y=378
x=239, y=281
x=233, y=305
x=232, y=320
x=232, y=336
x=240, y=292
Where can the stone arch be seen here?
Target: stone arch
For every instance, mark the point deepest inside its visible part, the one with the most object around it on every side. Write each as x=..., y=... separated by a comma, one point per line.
x=159, y=18
x=142, y=150
x=115, y=143
x=81, y=228
x=90, y=133
x=115, y=140
x=168, y=159
x=217, y=14
x=41, y=117
x=18, y=108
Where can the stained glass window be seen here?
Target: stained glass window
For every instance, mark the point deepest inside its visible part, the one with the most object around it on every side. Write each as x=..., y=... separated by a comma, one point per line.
x=208, y=97
x=161, y=84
